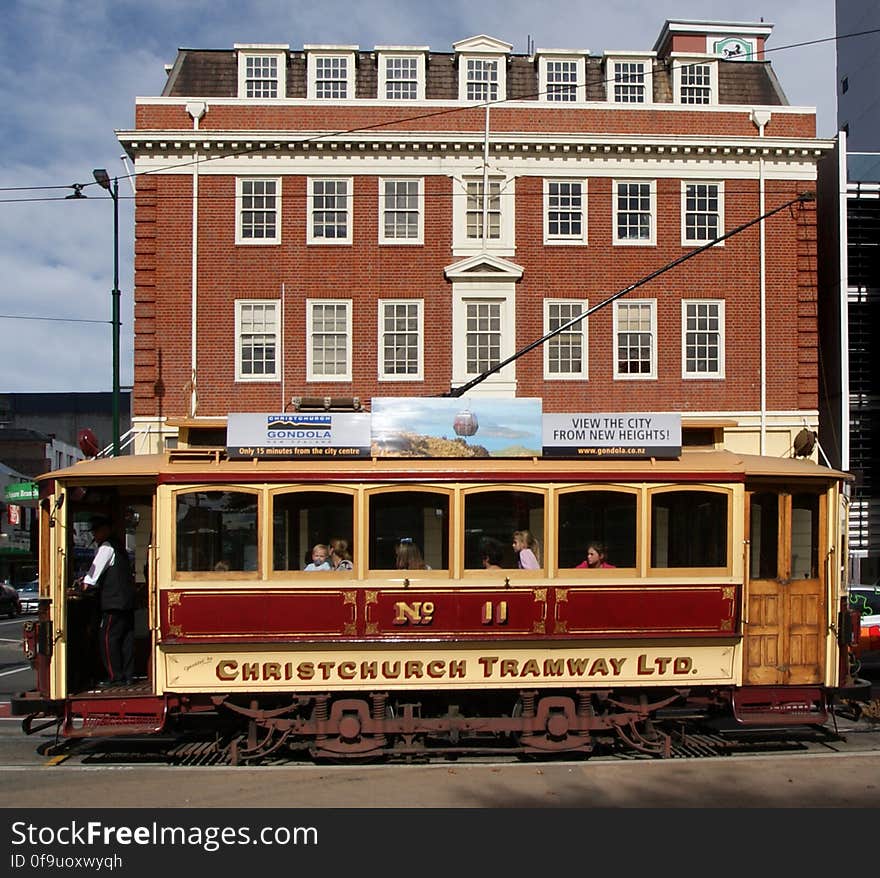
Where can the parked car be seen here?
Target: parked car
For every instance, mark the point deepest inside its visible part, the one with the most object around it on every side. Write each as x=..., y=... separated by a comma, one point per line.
x=29, y=596
x=10, y=605
x=866, y=599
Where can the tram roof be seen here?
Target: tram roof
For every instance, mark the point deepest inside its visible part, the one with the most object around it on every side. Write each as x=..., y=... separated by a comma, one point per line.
x=203, y=465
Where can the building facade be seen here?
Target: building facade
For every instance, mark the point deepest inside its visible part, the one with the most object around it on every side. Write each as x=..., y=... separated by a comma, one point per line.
x=332, y=222
x=849, y=244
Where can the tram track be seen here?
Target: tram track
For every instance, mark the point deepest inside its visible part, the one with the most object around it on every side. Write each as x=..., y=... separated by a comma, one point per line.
x=195, y=751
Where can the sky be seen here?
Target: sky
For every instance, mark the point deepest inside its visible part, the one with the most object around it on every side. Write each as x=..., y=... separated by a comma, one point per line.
x=72, y=69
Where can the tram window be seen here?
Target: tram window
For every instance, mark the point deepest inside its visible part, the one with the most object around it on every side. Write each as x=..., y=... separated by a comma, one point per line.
x=495, y=515
x=216, y=530
x=608, y=517
x=689, y=529
x=763, y=536
x=302, y=519
x=420, y=517
x=804, y=536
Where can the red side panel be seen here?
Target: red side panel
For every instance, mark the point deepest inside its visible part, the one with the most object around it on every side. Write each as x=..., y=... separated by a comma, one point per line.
x=519, y=613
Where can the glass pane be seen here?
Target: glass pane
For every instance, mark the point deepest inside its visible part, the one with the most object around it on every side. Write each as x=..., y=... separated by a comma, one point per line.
x=689, y=529
x=597, y=517
x=804, y=536
x=306, y=519
x=418, y=520
x=216, y=530
x=764, y=536
x=492, y=517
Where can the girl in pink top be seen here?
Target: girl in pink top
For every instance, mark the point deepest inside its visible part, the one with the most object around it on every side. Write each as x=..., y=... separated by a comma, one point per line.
x=596, y=557
x=528, y=550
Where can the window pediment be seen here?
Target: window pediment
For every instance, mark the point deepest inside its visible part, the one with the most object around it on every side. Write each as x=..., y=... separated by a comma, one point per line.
x=482, y=44
x=483, y=266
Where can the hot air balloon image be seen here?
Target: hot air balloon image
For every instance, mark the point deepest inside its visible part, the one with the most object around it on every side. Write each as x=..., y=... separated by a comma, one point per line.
x=465, y=423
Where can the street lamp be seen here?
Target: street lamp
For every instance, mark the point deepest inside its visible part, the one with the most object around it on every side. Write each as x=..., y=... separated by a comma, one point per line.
x=102, y=178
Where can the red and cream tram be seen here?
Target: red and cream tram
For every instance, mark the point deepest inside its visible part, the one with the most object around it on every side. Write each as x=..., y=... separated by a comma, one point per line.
x=726, y=599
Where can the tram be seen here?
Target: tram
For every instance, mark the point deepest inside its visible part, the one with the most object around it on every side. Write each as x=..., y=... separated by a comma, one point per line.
x=724, y=598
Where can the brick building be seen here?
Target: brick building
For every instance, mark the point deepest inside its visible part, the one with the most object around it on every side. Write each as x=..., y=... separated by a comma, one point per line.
x=312, y=222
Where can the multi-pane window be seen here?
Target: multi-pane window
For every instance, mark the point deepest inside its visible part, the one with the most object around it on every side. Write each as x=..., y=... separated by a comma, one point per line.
x=562, y=80
x=329, y=340
x=483, y=330
x=258, y=210
x=261, y=76
x=481, y=83
x=635, y=349
x=330, y=208
x=703, y=339
x=400, y=340
x=695, y=84
x=401, y=78
x=565, y=218
x=634, y=213
x=701, y=211
x=400, y=207
x=257, y=340
x=565, y=354
x=474, y=210
x=629, y=82
x=331, y=76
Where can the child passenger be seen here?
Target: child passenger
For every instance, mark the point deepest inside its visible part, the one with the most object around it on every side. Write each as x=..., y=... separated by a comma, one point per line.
x=319, y=558
x=528, y=550
x=595, y=560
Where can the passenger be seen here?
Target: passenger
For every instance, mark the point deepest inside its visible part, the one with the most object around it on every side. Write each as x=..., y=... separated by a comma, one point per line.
x=528, y=550
x=320, y=558
x=112, y=578
x=340, y=557
x=409, y=556
x=492, y=554
x=596, y=554
x=221, y=567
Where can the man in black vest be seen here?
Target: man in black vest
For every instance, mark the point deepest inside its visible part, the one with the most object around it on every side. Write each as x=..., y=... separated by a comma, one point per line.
x=110, y=574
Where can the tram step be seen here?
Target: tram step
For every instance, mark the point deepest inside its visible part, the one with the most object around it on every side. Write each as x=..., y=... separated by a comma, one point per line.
x=780, y=706
x=92, y=718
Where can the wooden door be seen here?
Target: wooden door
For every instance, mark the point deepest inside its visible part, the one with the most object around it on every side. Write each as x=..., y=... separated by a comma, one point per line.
x=784, y=631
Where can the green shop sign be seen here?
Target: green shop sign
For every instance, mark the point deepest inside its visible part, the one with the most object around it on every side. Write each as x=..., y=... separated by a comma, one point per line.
x=21, y=491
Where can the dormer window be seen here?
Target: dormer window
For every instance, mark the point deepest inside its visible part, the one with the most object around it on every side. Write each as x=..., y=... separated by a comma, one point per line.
x=482, y=69
x=561, y=75
x=630, y=80
x=330, y=71
x=401, y=73
x=262, y=71
x=695, y=80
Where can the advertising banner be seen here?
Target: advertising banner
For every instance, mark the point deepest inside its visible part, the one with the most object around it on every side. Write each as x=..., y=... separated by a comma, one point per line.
x=298, y=435
x=615, y=435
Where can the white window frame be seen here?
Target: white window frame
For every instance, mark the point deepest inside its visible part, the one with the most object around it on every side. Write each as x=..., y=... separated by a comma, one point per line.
x=311, y=237
x=278, y=52
x=678, y=62
x=565, y=240
x=311, y=374
x=504, y=245
x=652, y=193
x=240, y=305
x=500, y=62
x=420, y=208
x=547, y=57
x=696, y=242
x=389, y=53
x=651, y=375
x=240, y=211
x=611, y=62
x=313, y=54
x=579, y=329
x=419, y=374
x=503, y=293
x=719, y=374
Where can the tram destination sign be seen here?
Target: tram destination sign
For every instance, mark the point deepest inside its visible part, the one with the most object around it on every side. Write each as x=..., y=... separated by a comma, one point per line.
x=612, y=435
x=297, y=435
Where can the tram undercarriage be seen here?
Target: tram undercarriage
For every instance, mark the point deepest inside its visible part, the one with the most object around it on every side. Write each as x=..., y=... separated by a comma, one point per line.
x=383, y=725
